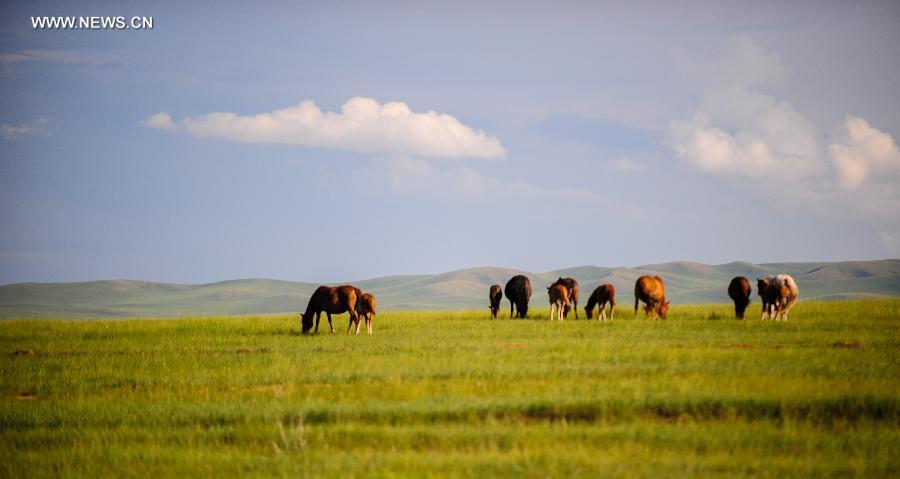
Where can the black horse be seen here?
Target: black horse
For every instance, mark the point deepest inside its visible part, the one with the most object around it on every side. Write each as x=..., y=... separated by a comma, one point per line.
x=518, y=291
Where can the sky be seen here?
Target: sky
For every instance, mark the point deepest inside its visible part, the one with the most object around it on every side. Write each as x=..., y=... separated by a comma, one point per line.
x=337, y=141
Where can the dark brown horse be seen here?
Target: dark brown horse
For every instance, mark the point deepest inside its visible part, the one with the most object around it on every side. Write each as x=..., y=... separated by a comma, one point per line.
x=762, y=288
x=365, y=309
x=601, y=295
x=652, y=291
x=572, y=285
x=739, y=291
x=495, y=295
x=337, y=300
x=518, y=291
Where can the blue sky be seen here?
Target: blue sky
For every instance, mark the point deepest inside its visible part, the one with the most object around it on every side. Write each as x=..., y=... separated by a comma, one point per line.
x=442, y=136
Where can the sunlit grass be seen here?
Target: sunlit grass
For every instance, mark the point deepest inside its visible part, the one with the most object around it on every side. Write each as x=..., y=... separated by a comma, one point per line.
x=455, y=393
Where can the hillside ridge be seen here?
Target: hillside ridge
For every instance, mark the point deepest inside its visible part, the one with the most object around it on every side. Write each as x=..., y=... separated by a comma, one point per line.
x=686, y=282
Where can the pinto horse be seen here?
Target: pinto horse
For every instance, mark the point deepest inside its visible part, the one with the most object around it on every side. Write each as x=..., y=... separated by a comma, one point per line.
x=779, y=295
x=336, y=300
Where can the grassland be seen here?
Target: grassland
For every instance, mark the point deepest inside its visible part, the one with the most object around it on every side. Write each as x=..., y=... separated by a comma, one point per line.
x=456, y=394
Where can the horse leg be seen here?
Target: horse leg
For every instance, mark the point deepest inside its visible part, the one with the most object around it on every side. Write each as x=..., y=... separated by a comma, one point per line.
x=635, y=307
x=511, y=304
x=354, y=316
x=330, y=324
x=612, y=310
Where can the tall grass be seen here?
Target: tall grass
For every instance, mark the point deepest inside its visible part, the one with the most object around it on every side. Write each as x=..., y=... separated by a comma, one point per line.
x=453, y=393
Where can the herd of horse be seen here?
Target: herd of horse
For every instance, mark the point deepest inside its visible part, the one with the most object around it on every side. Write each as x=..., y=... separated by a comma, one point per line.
x=778, y=295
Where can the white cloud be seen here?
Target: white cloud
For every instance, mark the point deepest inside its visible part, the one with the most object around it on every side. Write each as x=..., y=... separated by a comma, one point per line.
x=160, y=121
x=860, y=152
x=744, y=134
x=11, y=132
x=363, y=125
x=56, y=56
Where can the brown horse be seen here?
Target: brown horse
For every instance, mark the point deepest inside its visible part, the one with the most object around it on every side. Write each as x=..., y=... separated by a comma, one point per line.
x=337, y=300
x=652, y=291
x=739, y=291
x=601, y=295
x=559, y=297
x=495, y=295
x=365, y=308
x=572, y=285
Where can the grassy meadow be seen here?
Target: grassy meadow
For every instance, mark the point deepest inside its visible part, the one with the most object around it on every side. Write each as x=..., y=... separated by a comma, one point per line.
x=453, y=393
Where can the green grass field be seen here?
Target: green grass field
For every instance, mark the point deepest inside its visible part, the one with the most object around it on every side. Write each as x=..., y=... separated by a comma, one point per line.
x=456, y=394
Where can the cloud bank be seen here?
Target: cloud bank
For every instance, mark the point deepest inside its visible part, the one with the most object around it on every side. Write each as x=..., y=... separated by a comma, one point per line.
x=363, y=125
x=742, y=133
x=863, y=155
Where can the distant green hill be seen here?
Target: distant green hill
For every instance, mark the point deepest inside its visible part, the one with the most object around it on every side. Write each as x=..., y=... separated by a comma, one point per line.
x=686, y=282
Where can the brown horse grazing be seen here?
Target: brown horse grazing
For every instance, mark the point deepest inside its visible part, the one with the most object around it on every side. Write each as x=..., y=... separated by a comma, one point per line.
x=495, y=295
x=559, y=297
x=365, y=308
x=572, y=285
x=652, y=291
x=739, y=291
x=337, y=300
x=518, y=291
x=601, y=295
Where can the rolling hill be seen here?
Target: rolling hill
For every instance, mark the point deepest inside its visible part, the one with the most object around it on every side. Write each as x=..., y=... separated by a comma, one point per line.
x=686, y=282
